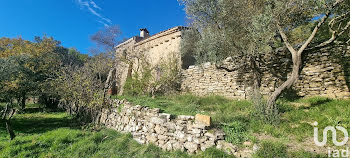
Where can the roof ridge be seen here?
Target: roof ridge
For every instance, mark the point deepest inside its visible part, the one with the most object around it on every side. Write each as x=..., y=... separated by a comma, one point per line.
x=179, y=27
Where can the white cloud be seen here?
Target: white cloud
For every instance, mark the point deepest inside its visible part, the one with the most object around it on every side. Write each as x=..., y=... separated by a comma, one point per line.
x=103, y=23
x=95, y=5
x=92, y=7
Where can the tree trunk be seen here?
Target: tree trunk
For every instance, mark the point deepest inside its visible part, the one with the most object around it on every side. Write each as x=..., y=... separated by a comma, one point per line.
x=23, y=101
x=271, y=103
x=6, y=113
x=256, y=75
x=296, y=58
x=9, y=129
x=70, y=111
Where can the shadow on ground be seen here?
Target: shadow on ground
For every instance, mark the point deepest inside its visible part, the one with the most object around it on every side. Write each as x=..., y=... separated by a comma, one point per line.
x=29, y=123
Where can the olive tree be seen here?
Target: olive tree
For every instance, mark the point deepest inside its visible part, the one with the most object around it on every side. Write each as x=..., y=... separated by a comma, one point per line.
x=335, y=13
x=246, y=30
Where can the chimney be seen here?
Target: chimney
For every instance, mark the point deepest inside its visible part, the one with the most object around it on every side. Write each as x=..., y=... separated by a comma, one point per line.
x=144, y=33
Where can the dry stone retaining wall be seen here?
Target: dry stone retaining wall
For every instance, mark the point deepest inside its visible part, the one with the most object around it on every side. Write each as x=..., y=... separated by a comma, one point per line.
x=322, y=75
x=151, y=126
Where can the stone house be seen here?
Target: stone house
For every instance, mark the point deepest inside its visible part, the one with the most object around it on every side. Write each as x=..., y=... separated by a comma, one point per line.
x=323, y=74
x=156, y=49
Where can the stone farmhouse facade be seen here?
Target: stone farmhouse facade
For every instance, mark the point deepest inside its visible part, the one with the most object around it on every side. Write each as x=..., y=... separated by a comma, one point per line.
x=157, y=48
x=322, y=74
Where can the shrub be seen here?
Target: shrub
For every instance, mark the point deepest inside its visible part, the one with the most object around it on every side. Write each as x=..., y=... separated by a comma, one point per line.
x=151, y=80
x=137, y=85
x=169, y=76
x=236, y=132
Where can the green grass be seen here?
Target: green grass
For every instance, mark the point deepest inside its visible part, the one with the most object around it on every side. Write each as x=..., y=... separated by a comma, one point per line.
x=327, y=112
x=279, y=150
x=225, y=111
x=221, y=109
x=28, y=106
x=37, y=123
x=57, y=135
x=295, y=120
x=272, y=149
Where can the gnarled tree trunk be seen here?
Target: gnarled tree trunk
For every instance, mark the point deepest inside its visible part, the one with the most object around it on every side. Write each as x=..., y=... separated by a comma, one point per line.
x=296, y=58
x=271, y=103
x=9, y=129
x=6, y=116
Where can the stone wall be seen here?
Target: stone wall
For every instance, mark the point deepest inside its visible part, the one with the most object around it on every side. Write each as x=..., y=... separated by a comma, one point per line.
x=148, y=125
x=323, y=74
x=206, y=79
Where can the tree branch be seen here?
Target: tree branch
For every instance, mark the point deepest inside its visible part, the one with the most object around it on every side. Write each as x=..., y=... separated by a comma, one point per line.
x=285, y=39
x=12, y=113
x=5, y=112
x=312, y=36
x=335, y=35
x=317, y=27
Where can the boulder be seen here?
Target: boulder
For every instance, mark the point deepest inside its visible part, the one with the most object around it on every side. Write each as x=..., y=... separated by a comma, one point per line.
x=203, y=119
x=191, y=147
x=185, y=117
x=157, y=120
x=227, y=147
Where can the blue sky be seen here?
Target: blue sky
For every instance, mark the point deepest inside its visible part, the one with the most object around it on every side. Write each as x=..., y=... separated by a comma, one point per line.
x=73, y=21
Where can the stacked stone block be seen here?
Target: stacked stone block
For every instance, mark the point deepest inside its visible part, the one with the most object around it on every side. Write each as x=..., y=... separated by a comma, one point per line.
x=322, y=75
x=151, y=126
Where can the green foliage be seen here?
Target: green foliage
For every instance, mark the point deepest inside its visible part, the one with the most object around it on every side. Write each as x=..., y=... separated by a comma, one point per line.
x=236, y=132
x=16, y=78
x=259, y=112
x=247, y=29
x=136, y=85
x=139, y=81
x=168, y=77
x=120, y=108
x=228, y=28
x=31, y=67
x=161, y=79
x=188, y=47
x=74, y=57
x=303, y=154
x=84, y=86
x=250, y=31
